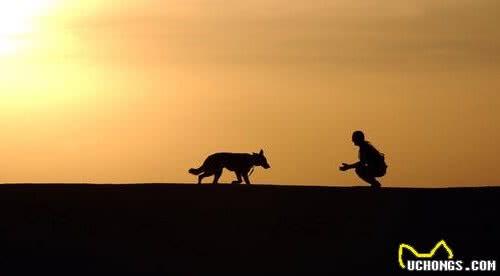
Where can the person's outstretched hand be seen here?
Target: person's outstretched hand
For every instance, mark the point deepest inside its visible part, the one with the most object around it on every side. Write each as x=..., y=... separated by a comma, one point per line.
x=344, y=167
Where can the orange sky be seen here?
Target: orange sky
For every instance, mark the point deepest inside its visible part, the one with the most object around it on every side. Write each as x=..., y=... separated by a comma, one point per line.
x=142, y=90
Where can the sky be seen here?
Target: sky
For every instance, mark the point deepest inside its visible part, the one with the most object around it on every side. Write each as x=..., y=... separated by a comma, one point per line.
x=105, y=91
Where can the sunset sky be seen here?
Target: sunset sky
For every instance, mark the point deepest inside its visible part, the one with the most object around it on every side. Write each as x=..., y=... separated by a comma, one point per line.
x=132, y=91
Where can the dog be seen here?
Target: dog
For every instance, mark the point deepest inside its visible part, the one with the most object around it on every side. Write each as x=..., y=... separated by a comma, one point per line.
x=240, y=163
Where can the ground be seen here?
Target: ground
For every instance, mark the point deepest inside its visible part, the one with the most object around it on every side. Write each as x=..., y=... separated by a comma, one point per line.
x=158, y=228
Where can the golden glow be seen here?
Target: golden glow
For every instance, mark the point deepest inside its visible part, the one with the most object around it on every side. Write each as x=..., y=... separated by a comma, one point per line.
x=142, y=90
x=17, y=21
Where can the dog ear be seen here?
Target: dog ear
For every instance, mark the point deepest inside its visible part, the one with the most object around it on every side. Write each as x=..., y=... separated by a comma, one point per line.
x=261, y=152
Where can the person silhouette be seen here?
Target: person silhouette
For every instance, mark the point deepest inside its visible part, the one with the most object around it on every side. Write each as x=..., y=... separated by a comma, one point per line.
x=371, y=162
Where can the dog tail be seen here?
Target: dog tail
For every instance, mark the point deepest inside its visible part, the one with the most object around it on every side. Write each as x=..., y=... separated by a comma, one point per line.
x=196, y=171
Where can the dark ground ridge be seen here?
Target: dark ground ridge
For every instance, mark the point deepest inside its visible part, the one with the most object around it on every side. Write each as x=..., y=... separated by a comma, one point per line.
x=163, y=228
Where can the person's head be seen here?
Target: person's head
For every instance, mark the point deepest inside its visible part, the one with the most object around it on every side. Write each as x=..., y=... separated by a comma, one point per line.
x=358, y=137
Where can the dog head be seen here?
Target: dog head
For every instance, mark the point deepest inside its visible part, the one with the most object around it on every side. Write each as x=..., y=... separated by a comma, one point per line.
x=260, y=160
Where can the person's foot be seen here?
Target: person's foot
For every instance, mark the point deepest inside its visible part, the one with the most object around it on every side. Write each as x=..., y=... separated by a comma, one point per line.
x=376, y=185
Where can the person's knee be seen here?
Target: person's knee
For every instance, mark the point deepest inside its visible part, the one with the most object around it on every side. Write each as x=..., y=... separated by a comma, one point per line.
x=360, y=171
x=365, y=173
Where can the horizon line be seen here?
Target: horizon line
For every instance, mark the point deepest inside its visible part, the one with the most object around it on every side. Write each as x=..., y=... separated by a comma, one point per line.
x=236, y=185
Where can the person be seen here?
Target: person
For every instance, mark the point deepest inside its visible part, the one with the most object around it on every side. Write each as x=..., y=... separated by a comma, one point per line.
x=371, y=162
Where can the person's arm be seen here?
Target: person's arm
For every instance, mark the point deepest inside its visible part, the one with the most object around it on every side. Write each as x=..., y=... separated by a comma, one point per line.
x=346, y=166
x=362, y=160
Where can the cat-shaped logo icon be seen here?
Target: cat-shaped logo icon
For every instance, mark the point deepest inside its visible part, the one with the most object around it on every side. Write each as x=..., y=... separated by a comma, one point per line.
x=441, y=243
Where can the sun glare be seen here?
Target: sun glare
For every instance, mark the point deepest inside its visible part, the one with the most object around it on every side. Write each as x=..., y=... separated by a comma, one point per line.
x=17, y=20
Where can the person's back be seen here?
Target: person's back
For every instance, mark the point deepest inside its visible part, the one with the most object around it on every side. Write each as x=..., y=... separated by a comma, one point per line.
x=371, y=157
